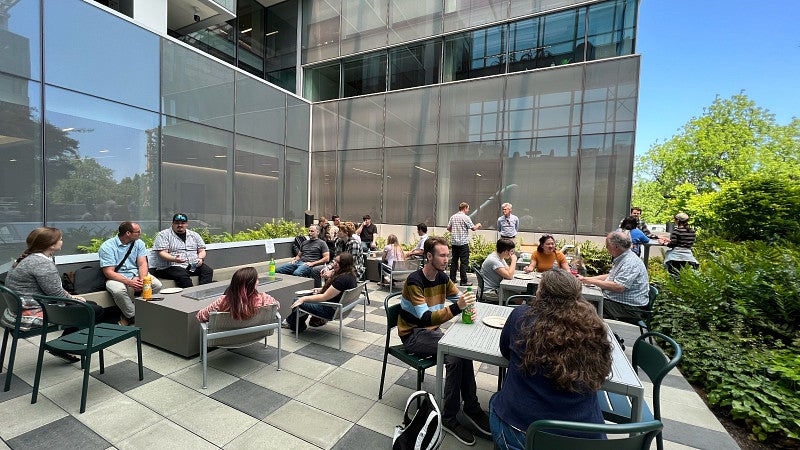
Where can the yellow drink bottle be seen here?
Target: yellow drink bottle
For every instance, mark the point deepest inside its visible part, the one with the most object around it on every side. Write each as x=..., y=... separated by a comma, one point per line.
x=147, y=287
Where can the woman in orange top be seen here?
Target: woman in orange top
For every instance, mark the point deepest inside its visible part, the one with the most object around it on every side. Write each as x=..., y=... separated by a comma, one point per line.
x=546, y=256
x=241, y=298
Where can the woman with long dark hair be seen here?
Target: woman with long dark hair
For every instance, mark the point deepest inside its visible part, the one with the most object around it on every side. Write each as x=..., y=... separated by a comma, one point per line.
x=546, y=256
x=241, y=298
x=559, y=354
x=343, y=278
x=35, y=273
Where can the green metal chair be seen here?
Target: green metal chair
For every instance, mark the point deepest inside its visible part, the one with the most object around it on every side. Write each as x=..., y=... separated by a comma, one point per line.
x=647, y=314
x=540, y=435
x=416, y=362
x=13, y=302
x=650, y=358
x=90, y=338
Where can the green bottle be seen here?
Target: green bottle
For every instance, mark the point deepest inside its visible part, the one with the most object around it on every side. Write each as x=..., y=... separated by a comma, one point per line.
x=466, y=313
x=272, y=267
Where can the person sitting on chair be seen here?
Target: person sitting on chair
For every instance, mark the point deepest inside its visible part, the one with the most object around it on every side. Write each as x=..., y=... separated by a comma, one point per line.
x=343, y=278
x=241, y=297
x=680, y=243
x=310, y=260
x=559, y=354
x=35, y=273
x=181, y=254
x=495, y=269
x=546, y=256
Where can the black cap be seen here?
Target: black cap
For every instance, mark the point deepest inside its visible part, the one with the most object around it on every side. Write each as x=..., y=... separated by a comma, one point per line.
x=180, y=217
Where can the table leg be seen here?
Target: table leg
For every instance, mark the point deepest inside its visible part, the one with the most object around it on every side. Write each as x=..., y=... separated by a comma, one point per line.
x=600, y=307
x=636, y=407
x=439, y=393
x=501, y=296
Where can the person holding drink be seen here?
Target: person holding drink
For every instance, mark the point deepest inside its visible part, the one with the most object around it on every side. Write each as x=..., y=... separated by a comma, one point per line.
x=424, y=307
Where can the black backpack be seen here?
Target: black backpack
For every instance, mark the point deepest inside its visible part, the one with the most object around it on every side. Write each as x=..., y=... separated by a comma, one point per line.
x=423, y=431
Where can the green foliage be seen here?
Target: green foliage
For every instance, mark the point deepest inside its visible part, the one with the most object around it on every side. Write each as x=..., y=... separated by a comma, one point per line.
x=730, y=140
x=596, y=258
x=763, y=207
x=737, y=319
x=272, y=230
x=479, y=249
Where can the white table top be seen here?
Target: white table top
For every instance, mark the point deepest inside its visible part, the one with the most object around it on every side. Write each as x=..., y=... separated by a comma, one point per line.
x=589, y=292
x=480, y=342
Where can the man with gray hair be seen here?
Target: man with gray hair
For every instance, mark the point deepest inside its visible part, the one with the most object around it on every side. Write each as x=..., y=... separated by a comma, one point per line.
x=507, y=224
x=626, y=286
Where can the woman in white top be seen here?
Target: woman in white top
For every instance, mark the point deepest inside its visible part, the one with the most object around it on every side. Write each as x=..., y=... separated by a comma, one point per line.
x=393, y=252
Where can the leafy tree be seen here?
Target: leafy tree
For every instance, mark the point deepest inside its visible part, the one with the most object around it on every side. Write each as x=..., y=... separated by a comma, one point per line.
x=730, y=140
x=87, y=183
x=760, y=207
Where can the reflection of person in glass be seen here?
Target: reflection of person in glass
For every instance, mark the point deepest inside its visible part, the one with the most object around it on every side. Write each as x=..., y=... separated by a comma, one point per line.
x=181, y=254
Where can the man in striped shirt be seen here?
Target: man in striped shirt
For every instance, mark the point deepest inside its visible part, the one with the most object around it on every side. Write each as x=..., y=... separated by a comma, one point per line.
x=181, y=254
x=459, y=227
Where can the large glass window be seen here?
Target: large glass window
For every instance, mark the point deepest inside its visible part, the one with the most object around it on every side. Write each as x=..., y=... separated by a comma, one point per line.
x=412, y=117
x=20, y=39
x=478, y=53
x=611, y=29
x=21, y=161
x=257, y=182
x=525, y=7
x=363, y=25
x=196, y=174
x=469, y=173
x=260, y=110
x=102, y=166
x=361, y=183
x=606, y=162
x=413, y=20
x=322, y=82
x=410, y=185
x=324, y=187
x=539, y=177
x=414, y=65
x=77, y=59
x=196, y=88
x=281, y=49
x=471, y=112
x=361, y=122
x=321, y=30
x=298, y=123
x=460, y=14
x=252, y=35
x=325, y=134
x=365, y=74
x=610, y=96
x=295, y=184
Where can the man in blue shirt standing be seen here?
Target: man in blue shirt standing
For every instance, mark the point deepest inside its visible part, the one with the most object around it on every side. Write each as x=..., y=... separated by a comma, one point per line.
x=123, y=259
x=507, y=224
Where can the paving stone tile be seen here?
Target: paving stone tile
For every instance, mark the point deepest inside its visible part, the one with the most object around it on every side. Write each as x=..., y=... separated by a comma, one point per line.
x=325, y=354
x=309, y=424
x=250, y=398
x=165, y=435
x=360, y=437
x=66, y=432
x=124, y=375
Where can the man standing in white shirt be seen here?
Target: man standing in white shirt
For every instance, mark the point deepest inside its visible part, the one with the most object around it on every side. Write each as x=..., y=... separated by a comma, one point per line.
x=507, y=224
x=459, y=227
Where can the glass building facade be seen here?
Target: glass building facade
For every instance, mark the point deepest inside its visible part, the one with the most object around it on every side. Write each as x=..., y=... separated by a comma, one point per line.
x=419, y=106
x=407, y=109
x=105, y=121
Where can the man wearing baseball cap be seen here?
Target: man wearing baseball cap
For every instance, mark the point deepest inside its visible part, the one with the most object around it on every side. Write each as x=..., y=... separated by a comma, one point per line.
x=181, y=254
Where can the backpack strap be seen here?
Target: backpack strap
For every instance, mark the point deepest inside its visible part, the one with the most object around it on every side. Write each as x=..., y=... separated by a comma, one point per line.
x=128, y=253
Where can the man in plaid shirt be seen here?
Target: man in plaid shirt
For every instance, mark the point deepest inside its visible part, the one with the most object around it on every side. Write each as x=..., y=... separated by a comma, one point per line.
x=459, y=227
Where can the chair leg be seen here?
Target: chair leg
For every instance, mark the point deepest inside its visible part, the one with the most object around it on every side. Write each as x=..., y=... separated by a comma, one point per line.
x=139, y=354
x=85, y=388
x=204, y=353
x=297, y=325
x=279, y=348
x=383, y=373
x=38, y=374
x=102, y=362
x=340, y=330
x=364, y=302
x=3, y=351
x=11, y=356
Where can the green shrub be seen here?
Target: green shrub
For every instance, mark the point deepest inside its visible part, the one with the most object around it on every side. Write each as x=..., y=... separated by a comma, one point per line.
x=737, y=321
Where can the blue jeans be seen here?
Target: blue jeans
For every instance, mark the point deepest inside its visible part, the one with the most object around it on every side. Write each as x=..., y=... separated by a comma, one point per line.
x=503, y=434
x=326, y=312
x=298, y=269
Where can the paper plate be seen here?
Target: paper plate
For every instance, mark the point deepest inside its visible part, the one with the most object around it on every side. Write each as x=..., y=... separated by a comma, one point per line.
x=174, y=290
x=304, y=292
x=524, y=276
x=494, y=321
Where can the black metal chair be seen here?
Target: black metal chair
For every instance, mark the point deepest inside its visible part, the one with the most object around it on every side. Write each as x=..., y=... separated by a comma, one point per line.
x=90, y=338
x=398, y=351
x=477, y=270
x=13, y=302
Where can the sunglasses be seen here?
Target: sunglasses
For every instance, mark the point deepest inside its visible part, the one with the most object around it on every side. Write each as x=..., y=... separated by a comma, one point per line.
x=179, y=219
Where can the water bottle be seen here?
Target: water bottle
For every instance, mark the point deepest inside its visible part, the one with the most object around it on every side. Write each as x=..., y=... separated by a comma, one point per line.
x=555, y=264
x=272, y=267
x=466, y=313
x=147, y=287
